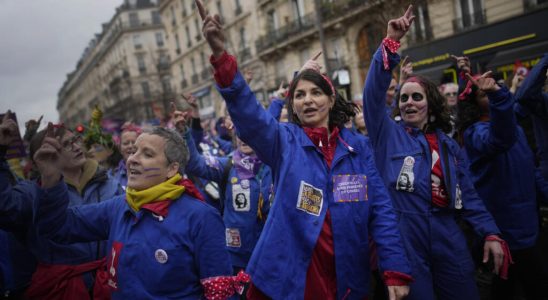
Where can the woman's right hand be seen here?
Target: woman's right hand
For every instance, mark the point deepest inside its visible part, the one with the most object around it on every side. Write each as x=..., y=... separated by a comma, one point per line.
x=212, y=30
x=397, y=28
x=47, y=159
x=8, y=130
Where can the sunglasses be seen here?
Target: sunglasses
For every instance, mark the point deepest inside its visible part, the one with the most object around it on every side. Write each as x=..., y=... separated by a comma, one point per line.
x=450, y=94
x=415, y=96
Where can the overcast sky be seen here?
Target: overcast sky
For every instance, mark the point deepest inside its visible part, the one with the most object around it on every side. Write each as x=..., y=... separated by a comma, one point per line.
x=40, y=42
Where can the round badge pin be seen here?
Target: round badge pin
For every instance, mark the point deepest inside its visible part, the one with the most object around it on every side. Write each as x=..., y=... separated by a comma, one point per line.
x=233, y=180
x=161, y=256
x=245, y=184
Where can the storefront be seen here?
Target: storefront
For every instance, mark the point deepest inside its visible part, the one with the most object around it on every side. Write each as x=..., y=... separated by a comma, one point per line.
x=496, y=47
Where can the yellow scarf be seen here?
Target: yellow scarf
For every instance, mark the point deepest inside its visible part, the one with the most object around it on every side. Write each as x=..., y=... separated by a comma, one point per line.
x=90, y=168
x=167, y=190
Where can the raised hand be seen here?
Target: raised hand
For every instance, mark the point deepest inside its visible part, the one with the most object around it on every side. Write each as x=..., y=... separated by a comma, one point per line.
x=397, y=28
x=191, y=100
x=9, y=132
x=406, y=69
x=248, y=75
x=312, y=63
x=485, y=82
x=179, y=118
x=281, y=91
x=463, y=63
x=212, y=30
x=47, y=158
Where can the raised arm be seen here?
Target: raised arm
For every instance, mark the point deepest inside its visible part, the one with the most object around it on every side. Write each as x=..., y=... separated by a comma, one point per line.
x=254, y=125
x=199, y=166
x=502, y=131
x=530, y=93
x=379, y=76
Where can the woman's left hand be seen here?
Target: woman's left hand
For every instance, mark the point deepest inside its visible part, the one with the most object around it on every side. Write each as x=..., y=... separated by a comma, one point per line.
x=493, y=248
x=397, y=292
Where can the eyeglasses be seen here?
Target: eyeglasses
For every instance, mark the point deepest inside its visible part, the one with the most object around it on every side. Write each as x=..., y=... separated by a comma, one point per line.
x=415, y=96
x=451, y=94
x=68, y=145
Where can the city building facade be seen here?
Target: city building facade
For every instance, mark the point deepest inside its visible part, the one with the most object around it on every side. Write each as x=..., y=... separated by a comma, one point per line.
x=125, y=70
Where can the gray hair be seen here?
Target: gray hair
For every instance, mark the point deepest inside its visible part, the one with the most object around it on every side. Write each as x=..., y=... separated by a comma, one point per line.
x=176, y=149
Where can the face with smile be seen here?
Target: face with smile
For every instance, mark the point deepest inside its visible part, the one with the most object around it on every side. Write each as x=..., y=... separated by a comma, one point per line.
x=311, y=104
x=413, y=105
x=149, y=166
x=72, y=154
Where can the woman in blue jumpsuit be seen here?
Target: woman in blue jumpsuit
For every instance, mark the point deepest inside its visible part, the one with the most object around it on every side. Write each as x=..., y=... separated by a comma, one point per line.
x=502, y=167
x=328, y=194
x=163, y=243
x=248, y=183
x=426, y=177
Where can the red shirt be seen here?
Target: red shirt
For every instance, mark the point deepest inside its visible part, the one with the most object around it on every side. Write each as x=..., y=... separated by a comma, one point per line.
x=439, y=192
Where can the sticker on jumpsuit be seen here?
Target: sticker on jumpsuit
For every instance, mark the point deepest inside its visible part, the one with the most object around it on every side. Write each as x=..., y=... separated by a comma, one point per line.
x=310, y=199
x=350, y=188
x=406, y=178
x=240, y=198
x=233, y=237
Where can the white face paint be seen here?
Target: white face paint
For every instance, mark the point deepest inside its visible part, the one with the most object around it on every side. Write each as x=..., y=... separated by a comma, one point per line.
x=413, y=105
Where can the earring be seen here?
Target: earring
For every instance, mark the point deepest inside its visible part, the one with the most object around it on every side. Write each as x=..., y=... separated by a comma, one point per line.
x=432, y=118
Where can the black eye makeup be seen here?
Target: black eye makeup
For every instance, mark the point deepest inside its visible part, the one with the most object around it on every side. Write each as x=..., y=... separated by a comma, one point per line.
x=415, y=96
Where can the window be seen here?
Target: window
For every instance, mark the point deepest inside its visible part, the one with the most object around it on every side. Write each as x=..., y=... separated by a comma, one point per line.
x=155, y=17
x=133, y=19
x=238, y=7
x=182, y=69
x=137, y=41
x=159, y=39
x=189, y=40
x=173, y=18
x=272, y=21
x=141, y=63
x=198, y=30
x=471, y=12
x=177, y=44
x=242, y=38
x=421, y=30
x=193, y=63
x=183, y=6
x=166, y=85
x=298, y=9
x=146, y=89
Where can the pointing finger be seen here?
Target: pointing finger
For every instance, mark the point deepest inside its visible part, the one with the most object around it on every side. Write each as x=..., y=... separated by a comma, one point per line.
x=201, y=9
x=409, y=12
x=49, y=130
x=317, y=55
x=487, y=74
x=471, y=79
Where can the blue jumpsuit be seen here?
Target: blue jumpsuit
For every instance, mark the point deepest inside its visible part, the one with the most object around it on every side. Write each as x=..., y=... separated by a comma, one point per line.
x=243, y=221
x=441, y=263
x=305, y=187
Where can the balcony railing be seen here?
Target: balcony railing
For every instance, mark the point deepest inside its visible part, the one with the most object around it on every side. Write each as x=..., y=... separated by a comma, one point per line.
x=274, y=37
x=469, y=21
x=332, y=10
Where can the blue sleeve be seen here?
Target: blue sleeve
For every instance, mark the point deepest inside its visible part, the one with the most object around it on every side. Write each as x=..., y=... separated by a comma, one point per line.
x=275, y=108
x=383, y=225
x=255, y=126
x=196, y=132
x=83, y=223
x=502, y=132
x=197, y=165
x=224, y=145
x=377, y=82
x=16, y=202
x=530, y=92
x=473, y=210
x=210, y=246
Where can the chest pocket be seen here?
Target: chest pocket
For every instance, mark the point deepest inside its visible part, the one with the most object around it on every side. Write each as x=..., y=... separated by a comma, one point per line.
x=403, y=171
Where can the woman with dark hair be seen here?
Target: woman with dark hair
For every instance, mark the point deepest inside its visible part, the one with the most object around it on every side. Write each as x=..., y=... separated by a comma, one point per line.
x=440, y=191
x=503, y=171
x=328, y=194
